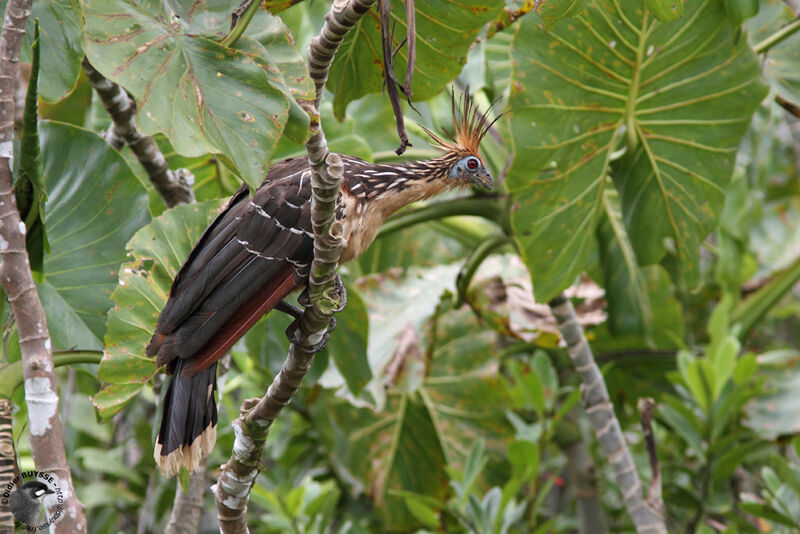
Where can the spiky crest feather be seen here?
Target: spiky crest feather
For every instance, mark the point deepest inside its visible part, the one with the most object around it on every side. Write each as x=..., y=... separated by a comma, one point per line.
x=470, y=126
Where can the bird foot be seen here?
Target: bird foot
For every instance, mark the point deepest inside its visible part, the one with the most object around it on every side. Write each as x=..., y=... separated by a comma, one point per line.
x=289, y=309
x=293, y=330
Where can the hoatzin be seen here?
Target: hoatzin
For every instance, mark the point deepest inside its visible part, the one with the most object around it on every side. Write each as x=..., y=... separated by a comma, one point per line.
x=259, y=249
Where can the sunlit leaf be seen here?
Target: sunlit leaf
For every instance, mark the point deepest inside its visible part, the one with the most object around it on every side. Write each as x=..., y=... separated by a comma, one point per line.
x=203, y=97
x=679, y=94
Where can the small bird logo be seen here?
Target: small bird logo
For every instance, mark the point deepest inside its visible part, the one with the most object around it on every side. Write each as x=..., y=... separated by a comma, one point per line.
x=26, y=504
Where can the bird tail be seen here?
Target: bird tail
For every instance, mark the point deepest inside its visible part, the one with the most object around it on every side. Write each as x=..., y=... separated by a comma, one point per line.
x=189, y=420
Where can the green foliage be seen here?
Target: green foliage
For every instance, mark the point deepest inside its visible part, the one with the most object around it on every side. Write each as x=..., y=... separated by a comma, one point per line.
x=29, y=188
x=680, y=135
x=633, y=163
x=94, y=205
x=157, y=252
x=187, y=92
x=444, y=32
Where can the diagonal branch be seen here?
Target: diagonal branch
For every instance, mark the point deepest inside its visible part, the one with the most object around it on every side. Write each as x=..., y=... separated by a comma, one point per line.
x=41, y=390
x=175, y=187
x=238, y=475
x=601, y=415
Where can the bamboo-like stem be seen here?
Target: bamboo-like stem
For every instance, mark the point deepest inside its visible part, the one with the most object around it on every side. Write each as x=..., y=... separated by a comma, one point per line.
x=600, y=411
x=238, y=475
x=41, y=389
x=8, y=463
x=175, y=187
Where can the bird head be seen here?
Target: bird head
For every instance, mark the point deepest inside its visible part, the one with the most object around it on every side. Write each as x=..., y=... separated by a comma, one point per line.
x=462, y=148
x=36, y=489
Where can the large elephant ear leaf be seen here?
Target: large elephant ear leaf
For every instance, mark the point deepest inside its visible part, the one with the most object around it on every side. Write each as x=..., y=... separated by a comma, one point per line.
x=95, y=204
x=445, y=32
x=156, y=253
x=677, y=95
x=202, y=96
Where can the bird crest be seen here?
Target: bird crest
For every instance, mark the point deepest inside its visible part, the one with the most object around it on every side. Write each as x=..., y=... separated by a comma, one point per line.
x=469, y=123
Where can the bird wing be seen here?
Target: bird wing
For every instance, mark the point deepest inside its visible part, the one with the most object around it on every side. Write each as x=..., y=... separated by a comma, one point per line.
x=241, y=267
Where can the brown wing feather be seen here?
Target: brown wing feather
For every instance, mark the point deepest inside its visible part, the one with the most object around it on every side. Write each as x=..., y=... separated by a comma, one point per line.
x=240, y=260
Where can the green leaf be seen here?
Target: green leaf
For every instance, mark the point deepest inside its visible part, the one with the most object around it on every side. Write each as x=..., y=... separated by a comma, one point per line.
x=157, y=251
x=348, y=346
x=60, y=43
x=665, y=10
x=629, y=309
x=745, y=370
x=783, y=65
x=445, y=32
x=684, y=91
x=741, y=10
x=420, y=509
x=684, y=428
x=413, y=436
x=203, y=97
x=29, y=190
x=768, y=513
x=95, y=205
x=554, y=10
x=777, y=412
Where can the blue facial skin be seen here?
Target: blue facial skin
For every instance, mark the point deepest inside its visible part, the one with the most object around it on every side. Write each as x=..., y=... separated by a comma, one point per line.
x=472, y=169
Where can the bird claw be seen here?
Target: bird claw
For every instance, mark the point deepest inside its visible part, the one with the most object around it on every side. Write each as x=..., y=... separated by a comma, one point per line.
x=303, y=300
x=292, y=334
x=289, y=309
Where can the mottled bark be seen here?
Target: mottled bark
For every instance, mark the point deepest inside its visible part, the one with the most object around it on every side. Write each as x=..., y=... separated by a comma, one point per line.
x=41, y=393
x=8, y=464
x=238, y=475
x=601, y=415
x=188, y=506
x=175, y=187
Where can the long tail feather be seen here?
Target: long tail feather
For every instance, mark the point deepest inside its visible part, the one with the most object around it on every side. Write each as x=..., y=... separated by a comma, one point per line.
x=189, y=420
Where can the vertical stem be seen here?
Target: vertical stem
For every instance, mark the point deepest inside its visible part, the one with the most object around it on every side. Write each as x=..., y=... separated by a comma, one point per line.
x=8, y=465
x=41, y=390
x=601, y=415
x=238, y=475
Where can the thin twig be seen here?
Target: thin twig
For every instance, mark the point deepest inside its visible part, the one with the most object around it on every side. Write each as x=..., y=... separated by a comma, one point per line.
x=411, y=38
x=41, y=390
x=175, y=187
x=791, y=107
x=327, y=173
x=647, y=408
x=601, y=415
x=389, y=78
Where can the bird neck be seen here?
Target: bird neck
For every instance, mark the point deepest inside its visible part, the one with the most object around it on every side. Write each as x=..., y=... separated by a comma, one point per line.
x=389, y=187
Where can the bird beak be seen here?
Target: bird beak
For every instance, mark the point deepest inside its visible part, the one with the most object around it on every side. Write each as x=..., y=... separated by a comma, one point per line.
x=484, y=179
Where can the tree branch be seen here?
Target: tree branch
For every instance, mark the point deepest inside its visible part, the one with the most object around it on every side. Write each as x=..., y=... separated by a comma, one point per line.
x=8, y=464
x=175, y=187
x=188, y=506
x=238, y=475
x=41, y=390
x=601, y=415
x=647, y=408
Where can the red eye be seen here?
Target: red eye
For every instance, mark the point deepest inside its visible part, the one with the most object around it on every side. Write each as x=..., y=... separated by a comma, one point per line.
x=472, y=163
